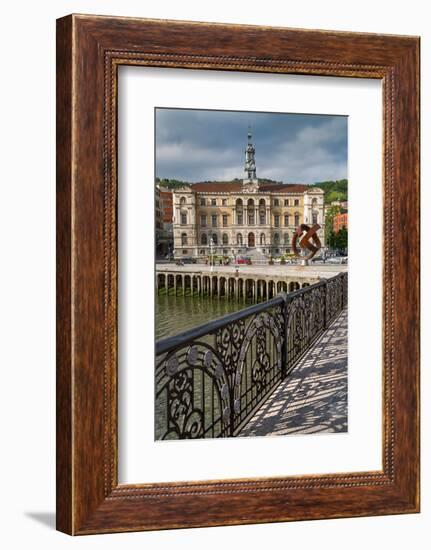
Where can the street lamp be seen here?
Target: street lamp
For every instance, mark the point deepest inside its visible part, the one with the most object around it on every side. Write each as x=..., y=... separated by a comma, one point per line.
x=211, y=253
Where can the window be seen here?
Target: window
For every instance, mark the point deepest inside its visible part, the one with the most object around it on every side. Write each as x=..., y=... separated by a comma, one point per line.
x=213, y=202
x=314, y=217
x=224, y=202
x=251, y=218
x=224, y=220
x=262, y=219
x=214, y=239
x=262, y=238
x=296, y=219
x=203, y=220
x=214, y=220
x=225, y=238
x=202, y=202
x=296, y=202
x=204, y=239
x=286, y=220
x=183, y=218
x=276, y=238
x=201, y=251
x=225, y=251
x=239, y=239
x=183, y=200
x=276, y=202
x=286, y=238
x=286, y=202
x=240, y=219
x=183, y=239
x=277, y=220
x=185, y=251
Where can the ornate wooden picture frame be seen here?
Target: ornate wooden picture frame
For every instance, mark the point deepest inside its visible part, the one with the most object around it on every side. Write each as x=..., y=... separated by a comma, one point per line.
x=89, y=51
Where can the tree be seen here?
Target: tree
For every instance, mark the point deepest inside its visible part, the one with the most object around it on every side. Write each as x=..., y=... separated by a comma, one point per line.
x=341, y=240
x=330, y=236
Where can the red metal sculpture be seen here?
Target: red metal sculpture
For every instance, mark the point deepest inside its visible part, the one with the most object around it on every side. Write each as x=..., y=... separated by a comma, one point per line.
x=310, y=241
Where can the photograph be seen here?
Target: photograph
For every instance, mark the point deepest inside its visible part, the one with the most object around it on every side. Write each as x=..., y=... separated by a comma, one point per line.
x=251, y=273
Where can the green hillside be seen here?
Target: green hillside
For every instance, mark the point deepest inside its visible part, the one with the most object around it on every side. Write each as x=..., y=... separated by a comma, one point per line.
x=334, y=190
x=171, y=183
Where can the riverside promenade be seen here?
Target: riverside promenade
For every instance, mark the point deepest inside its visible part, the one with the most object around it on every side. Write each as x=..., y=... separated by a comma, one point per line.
x=252, y=282
x=313, y=398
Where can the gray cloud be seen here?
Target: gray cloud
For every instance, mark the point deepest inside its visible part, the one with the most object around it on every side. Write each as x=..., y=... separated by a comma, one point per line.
x=196, y=145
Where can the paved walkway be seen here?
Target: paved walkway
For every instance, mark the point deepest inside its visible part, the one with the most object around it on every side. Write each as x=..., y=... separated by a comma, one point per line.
x=313, y=398
x=313, y=271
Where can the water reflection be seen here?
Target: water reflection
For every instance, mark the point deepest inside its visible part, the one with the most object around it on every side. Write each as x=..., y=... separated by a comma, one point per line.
x=175, y=314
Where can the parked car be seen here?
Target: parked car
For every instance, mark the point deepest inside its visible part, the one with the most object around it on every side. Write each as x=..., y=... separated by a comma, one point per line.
x=186, y=260
x=338, y=260
x=242, y=259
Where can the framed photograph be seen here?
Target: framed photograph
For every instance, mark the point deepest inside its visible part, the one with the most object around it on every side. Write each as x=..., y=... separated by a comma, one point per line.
x=237, y=274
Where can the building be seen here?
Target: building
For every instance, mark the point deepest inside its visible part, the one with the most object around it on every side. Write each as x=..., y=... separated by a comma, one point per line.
x=341, y=204
x=340, y=221
x=241, y=216
x=164, y=228
x=166, y=205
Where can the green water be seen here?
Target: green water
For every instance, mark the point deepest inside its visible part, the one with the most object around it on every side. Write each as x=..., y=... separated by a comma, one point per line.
x=175, y=314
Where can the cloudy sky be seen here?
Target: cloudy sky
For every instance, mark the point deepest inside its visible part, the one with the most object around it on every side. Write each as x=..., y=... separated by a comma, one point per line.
x=197, y=145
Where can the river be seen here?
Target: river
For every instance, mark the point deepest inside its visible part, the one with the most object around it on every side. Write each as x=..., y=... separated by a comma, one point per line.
x=175, y=314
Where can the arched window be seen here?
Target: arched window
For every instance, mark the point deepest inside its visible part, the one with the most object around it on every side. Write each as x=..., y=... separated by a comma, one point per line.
x=262, y=212
x=286, y=220
x=182, y=200
x=276, y=238
x=204, y=239
x=286, y=238
x=250, y=211
x=296, y=219
x=239, y=211
x=239, y=239
x=225, y=238
x=183, y=239
x=262, y=238
x=214, y=239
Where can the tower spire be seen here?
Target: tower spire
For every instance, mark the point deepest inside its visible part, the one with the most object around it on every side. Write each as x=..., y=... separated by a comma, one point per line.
x=250, y=163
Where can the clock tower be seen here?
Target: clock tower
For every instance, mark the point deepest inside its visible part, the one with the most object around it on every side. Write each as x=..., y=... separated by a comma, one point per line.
x=251, y=182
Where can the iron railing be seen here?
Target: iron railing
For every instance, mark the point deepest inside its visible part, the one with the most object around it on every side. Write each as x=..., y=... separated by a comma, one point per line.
x=210, y=380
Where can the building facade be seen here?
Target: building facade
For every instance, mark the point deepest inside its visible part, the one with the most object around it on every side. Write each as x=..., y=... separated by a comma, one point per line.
x=241, y=216
x=163, y=222
x=340, y=220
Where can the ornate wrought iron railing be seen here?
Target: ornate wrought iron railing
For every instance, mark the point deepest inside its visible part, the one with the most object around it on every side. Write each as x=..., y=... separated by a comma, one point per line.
x=210, y=380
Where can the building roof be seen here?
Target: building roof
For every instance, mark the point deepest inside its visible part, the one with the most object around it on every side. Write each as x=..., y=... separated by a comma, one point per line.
x=237, y=187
